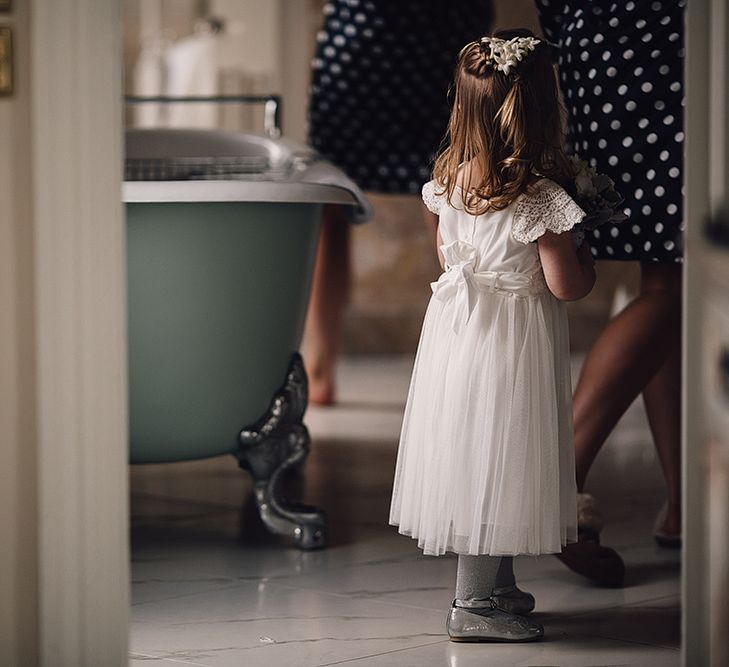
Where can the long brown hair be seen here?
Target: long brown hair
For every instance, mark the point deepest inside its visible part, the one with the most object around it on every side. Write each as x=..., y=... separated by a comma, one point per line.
x=505, y=127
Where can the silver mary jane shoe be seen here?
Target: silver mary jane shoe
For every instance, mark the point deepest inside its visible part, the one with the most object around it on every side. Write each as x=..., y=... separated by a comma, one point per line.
x=480, y=620
x=513, y=600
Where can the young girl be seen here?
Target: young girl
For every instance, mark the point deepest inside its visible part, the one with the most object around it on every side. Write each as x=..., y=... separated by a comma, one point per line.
x=485, y=466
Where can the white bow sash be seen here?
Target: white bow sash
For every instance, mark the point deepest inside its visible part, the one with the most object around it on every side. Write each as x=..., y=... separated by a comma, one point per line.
x=461, y=284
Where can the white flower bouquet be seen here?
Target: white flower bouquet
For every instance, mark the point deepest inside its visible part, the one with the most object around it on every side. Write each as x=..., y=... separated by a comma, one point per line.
x=596, y=195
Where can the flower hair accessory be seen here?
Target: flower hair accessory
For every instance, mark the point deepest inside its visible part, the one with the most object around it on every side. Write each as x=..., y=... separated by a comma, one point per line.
x=506, y=53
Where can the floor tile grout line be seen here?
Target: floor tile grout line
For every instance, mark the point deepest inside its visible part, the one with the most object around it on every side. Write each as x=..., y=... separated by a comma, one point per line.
x=272, y=581
x=355, y=563
x=441, y=641
x=344, y=566
x=349, y=597
x=187, y=595
x=268, y=578
x=639, y=643
x=620, y=606
x=281, y=585
x=412, y=606
x=132, y=656
x=376, y=655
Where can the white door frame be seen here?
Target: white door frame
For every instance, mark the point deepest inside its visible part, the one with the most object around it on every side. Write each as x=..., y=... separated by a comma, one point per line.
x=705, y=180
x=80, y=331
x=694, y=630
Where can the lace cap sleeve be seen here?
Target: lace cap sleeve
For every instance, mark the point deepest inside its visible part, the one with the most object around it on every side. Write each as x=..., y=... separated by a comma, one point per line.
x=549, y=208
x=433, y=201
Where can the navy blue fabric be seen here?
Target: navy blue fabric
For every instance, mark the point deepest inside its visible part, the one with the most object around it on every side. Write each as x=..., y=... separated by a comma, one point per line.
x=621, y=74
x=380, y=76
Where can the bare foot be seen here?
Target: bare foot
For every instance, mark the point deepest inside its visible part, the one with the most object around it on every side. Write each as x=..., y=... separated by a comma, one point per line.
x=321, y=383
x=321, y=391
x=671, y=526
x=669, y=521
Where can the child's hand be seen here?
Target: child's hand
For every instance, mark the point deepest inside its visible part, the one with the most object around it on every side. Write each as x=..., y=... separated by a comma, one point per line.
x=570, y=273
x=584, y=254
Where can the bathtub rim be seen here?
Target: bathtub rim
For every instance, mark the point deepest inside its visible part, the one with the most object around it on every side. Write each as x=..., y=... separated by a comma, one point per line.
x=149, y=192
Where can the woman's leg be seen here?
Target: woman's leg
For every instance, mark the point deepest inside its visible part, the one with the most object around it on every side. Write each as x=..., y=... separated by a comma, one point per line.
x=662, y=399
x=329, y=294
x=623, y=361
x=638, y=351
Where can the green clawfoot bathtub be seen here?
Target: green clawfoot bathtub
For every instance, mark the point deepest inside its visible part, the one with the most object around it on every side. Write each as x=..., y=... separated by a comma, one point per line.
x=222, y=231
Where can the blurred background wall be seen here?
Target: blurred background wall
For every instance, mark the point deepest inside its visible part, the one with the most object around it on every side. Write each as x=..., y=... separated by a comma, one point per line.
x=265, y=46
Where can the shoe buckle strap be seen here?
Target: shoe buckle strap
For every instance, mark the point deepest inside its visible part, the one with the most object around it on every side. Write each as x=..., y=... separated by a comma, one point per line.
x=474, y=603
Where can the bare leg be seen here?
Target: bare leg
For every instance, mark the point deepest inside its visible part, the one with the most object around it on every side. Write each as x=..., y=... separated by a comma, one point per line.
x=628, y=354
x=662, y=399
x=634, y=354
x=329, y=294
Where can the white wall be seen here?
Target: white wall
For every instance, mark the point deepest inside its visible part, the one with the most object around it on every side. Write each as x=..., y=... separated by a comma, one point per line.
x=252, y=40
x=270, y=42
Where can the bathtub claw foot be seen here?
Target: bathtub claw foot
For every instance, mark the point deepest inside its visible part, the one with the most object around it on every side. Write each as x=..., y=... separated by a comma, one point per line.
x=278, y=441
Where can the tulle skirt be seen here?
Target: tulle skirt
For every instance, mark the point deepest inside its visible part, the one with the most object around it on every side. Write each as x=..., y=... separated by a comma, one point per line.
x=485, y=462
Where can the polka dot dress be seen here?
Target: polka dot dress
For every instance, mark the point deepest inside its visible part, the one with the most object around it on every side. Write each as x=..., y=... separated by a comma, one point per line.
x=621, y=73
x=378, y=101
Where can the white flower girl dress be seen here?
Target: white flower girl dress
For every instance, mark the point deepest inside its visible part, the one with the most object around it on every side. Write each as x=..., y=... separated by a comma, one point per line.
x=485, y=462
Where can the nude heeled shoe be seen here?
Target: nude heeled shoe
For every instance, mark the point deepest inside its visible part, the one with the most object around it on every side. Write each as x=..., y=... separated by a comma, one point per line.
x=589, y=516
x=587, y=557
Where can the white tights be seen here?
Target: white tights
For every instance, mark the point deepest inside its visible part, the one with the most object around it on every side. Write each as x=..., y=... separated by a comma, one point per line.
x=477, y=576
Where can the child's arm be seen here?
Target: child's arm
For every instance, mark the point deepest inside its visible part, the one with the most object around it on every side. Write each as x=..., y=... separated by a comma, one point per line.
x=570, y=273
x=439, y=243
x=433, y=202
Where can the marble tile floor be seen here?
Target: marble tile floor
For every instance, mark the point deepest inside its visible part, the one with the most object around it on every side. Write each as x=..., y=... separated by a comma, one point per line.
x=211, y=587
